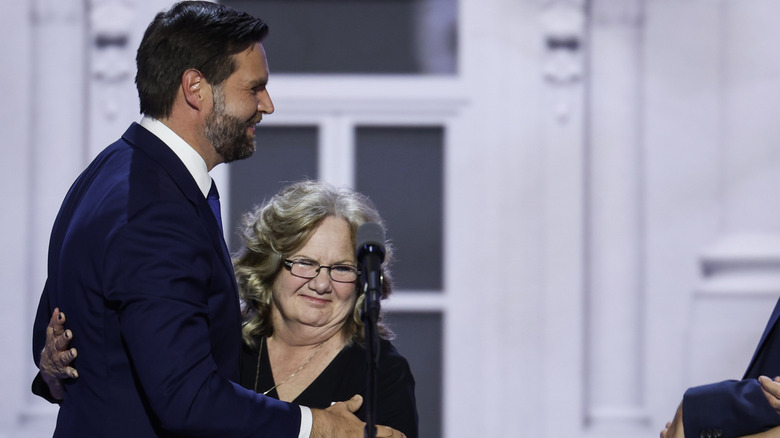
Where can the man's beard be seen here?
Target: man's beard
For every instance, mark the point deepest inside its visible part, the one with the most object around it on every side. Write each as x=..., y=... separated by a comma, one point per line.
x=227, y=133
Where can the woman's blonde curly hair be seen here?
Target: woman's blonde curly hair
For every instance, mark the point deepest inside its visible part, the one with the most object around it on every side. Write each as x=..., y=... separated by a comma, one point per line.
x=281, y=226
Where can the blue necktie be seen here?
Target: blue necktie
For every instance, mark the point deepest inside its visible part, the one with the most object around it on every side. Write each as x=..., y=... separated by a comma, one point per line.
x=213, y=199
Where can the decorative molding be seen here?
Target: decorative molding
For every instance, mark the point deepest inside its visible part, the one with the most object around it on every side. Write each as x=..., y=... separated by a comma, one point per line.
x=416, y=302
x=563, y=22
x=563, y=27
x=741, y=264
x=395, y=109
x=112, y=58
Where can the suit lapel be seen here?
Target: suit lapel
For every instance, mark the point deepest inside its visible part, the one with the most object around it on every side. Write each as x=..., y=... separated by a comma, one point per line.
x=152, y=146
x=769, y=327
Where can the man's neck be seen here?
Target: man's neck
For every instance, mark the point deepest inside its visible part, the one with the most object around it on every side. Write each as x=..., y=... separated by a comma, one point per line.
x=196, y=139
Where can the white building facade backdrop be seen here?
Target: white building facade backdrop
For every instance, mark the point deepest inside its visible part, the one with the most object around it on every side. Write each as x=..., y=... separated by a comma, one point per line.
x=610, y=230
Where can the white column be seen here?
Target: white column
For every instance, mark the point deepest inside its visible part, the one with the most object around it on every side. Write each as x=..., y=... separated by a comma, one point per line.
x=116, y=28
x=614, y=340
x=58, y=116
x=56, y=152
x=563, y=39
x=15, y=84
x=740, y=267
x=494, y=277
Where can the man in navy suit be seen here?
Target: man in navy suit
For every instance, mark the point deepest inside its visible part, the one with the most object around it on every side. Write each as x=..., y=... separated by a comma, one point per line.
x=138, y=259
x=732, y=408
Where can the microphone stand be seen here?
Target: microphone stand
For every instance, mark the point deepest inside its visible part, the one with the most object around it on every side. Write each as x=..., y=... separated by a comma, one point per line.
x=370, y=254
x=371, y=268
x=370, y=316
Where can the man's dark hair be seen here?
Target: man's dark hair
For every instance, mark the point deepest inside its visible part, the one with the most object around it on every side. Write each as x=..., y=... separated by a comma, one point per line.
x=191, y=34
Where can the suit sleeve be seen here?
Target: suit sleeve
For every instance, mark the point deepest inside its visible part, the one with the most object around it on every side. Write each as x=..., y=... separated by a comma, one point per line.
x=733, y=407
x=39, y=327
x=41, y=389
x=159, y=270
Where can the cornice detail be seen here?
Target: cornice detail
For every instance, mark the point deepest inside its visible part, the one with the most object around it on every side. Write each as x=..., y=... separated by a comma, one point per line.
x=111, y=25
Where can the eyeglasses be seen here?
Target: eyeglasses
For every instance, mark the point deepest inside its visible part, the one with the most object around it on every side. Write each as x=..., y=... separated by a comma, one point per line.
x=310, y=269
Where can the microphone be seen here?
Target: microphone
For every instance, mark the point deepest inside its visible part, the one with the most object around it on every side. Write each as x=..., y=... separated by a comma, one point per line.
x=370, y=251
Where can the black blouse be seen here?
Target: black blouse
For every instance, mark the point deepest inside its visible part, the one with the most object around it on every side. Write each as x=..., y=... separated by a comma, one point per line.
x=344, y=377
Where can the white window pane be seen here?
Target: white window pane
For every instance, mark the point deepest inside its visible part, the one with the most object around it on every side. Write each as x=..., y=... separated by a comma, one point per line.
x=401, y=170
x=419, y=340
x=284, y=155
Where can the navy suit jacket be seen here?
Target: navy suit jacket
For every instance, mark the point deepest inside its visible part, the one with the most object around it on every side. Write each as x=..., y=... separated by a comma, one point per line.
x=139, y=265
x=735, y=408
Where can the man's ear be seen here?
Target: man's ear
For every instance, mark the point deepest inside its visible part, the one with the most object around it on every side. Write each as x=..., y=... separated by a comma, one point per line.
x=194, y=86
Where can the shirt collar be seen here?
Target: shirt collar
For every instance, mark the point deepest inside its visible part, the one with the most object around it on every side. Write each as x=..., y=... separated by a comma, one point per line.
x=194, y=163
